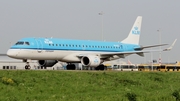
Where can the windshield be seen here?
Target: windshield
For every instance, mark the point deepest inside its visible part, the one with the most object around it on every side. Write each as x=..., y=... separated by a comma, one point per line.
x=22, y=43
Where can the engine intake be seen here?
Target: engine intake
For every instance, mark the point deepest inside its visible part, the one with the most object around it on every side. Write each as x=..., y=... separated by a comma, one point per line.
x=92, y=61
x=47, y=63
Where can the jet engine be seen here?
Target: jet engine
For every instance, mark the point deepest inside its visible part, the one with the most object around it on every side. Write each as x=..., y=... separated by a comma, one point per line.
x=91, y=61
x=47, y=63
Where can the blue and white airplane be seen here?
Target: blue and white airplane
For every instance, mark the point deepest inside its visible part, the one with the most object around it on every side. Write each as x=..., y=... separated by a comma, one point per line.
x=48, y=51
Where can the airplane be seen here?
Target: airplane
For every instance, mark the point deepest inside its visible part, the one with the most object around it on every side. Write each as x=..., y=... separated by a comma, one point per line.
x=48, y=51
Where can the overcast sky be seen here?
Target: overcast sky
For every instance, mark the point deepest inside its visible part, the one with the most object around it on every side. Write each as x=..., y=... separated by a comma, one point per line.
x=80, y=19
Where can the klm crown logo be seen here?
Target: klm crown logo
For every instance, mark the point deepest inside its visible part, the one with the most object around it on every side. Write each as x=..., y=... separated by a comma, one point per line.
x=135, y=31
x=47, y=41
x=96, y=61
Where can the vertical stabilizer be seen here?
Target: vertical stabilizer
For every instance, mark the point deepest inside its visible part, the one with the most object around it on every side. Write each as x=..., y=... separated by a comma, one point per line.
x=134, y=34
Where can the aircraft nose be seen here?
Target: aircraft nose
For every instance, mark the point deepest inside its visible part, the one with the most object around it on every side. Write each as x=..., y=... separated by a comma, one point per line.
x=11, y=53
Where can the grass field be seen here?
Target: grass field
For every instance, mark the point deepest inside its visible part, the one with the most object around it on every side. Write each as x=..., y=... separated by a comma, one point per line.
x=32, y=85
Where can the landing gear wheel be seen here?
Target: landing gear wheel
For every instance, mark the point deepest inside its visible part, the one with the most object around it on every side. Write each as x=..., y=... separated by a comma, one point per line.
x=71, y=67
x=100, y=67
x=27, y=67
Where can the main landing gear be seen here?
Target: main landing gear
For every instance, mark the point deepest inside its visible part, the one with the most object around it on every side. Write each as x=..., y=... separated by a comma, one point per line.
x=70, y=66
x=101, y=67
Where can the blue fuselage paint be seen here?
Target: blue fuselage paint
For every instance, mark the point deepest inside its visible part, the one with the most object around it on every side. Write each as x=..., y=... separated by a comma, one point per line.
x=51, y=44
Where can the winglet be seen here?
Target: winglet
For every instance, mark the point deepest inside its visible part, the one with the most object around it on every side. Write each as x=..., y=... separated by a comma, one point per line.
x=168, y=49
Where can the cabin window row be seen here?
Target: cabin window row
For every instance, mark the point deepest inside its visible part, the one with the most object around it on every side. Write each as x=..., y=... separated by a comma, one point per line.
x=90, y=46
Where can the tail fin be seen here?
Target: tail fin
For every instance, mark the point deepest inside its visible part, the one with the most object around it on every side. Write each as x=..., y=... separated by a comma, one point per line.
x=134, y=34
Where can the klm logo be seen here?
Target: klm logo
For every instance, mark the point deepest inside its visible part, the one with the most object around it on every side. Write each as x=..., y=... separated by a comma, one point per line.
x=47, y=41
x=96, y=61
x=135, y=31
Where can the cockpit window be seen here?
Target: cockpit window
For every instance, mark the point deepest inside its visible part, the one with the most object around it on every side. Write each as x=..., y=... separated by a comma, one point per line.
x=22, y=43
x=27, y=43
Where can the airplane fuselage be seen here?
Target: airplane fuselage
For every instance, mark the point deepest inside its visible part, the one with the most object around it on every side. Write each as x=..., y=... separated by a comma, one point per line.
x=90, y=53
x=63, y=49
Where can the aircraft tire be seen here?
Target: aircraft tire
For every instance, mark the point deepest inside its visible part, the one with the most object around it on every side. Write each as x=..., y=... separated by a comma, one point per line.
x=100, y=67
x=26, y=67
x=97, y=68
x=71, y=67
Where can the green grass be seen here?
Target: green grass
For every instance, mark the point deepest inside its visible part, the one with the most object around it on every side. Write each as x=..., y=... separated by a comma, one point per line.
x=31, y=85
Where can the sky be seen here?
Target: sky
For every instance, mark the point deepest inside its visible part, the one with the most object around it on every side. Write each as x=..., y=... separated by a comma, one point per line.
x=80, y=19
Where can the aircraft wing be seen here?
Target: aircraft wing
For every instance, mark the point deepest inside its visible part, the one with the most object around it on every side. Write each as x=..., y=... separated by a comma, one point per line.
x=143, y=47
x=126, y=53
x=141, y=53
x=123, y=54
x=119, y=54
x=167, y=49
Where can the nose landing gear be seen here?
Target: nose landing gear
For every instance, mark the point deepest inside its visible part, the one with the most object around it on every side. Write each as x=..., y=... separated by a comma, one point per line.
x=27, y=66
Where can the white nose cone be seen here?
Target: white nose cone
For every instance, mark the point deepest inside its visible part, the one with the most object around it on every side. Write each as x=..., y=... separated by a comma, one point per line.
x=11, y=53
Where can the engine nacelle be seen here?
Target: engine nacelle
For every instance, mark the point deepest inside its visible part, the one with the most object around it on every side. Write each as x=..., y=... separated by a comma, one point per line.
x=47, y=63
x=92, y=61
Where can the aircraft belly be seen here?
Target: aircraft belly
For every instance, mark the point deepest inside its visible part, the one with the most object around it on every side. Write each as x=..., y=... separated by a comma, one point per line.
x=46, y=55
x=38, y=55
x=70, y=56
